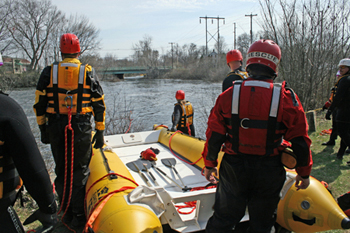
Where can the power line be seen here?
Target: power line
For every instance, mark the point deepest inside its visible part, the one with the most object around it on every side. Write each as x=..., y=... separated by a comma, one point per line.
x=172, y=55
x=206, y=31
x=251, y=27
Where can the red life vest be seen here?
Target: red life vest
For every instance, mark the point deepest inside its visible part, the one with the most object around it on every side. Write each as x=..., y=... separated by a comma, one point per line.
x=256, y=117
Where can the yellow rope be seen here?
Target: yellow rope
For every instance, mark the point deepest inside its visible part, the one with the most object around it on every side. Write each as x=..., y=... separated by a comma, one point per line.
x=317, y=109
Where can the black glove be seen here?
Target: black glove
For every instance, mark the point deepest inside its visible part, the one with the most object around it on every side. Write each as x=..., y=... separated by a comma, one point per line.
x=173, y=129
x=328, y=115
x=98, y=137
x=48, y=221
x=44, y=134
x=324, y=107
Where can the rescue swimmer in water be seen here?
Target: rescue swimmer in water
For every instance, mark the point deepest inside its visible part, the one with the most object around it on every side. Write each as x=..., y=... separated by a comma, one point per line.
x=182, y=117
x=68, y=94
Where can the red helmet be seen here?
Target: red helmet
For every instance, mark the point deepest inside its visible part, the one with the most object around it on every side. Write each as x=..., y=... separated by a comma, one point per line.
x=265, y=52
x=69, y=44
x=180, y=95
x=234, y=55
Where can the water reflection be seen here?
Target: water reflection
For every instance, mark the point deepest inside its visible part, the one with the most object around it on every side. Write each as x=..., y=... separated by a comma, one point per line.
x=151, y=101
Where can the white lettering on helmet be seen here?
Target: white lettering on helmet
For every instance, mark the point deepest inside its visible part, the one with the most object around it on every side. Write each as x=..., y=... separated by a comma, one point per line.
x=266, y=56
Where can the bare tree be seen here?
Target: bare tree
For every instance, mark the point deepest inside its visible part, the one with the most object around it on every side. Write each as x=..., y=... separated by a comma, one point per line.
x=144, y=54
x=30, y=24
x=85, y=31
x=314, y=36
x=221, y=45
x=243, y=43
x=5, y=37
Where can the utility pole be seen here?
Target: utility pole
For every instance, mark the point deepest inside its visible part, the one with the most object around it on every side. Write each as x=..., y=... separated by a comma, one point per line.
x=206, y=31
x=251, y=27
x=234, y=35
x=172, y=55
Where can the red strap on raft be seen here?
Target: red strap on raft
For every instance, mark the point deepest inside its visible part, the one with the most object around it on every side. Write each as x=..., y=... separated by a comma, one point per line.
x=191, y=204
x=178, y=156
x=96, y=211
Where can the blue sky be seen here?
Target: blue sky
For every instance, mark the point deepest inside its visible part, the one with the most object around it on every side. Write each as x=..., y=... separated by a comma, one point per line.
x=123, y=23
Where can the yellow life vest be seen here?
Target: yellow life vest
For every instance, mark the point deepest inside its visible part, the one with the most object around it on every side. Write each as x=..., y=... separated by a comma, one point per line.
x=243, y=74
x=68, y=88
x=187, y=114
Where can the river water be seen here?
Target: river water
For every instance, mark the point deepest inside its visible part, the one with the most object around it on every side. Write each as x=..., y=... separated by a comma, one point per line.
x=150, y=100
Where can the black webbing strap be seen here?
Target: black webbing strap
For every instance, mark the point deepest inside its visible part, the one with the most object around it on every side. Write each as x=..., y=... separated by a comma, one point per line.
x=272, y=121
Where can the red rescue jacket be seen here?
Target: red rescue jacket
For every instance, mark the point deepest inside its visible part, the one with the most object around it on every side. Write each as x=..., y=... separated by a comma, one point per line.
x=262, y=120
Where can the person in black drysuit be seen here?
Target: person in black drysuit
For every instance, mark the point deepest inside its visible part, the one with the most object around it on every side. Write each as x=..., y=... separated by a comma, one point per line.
x=234, y=60
x=65, y=85
x=182, y=117
x=341, y=104
x=20, y=157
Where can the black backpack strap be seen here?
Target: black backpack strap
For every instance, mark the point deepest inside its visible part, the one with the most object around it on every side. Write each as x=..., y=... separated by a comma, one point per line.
x=272, y=121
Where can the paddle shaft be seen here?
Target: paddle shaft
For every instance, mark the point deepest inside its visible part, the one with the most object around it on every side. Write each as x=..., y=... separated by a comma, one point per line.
x=151, y=175
x=178, y=175
x=144, y=178
x=164, y=174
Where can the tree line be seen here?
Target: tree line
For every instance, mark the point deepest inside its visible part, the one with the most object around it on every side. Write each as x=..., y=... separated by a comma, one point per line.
x=313, y=36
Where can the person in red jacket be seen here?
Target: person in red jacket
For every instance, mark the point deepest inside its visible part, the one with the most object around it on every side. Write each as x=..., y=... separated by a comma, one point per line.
x=257, y=121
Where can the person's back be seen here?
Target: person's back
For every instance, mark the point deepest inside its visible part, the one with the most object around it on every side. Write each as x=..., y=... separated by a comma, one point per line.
x=259, y=123
x=234, y=60
x=182, y=117
x=68, y=95
x=20, y=157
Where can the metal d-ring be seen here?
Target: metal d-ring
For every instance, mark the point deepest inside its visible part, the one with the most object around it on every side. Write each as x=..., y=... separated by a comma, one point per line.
x=242, y=123
x=71, y=100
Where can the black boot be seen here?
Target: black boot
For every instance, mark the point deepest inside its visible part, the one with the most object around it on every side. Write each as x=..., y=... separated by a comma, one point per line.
x=348, y=150
x=339, y=156
x=329, y=143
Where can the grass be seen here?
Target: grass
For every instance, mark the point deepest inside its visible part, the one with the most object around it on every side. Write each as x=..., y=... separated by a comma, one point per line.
x=326, y=168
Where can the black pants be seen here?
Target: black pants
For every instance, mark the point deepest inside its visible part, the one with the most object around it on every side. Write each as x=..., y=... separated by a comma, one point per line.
x=9, y=221
x=247, y=181
x=344, y=133
x=334, y=133
x=82, y=156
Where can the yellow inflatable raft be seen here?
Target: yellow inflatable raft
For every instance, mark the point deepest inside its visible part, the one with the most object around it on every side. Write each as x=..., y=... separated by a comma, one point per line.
x=111, y=183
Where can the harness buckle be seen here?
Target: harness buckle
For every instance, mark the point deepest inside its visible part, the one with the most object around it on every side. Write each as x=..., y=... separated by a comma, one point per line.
x=71, y=100
x=244, y=119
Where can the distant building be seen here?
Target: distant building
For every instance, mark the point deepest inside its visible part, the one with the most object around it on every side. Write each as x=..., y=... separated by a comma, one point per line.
x=213, y=54
x=15, y=65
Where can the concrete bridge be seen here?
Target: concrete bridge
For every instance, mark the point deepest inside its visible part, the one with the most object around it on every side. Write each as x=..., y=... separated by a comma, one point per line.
x=121, y=71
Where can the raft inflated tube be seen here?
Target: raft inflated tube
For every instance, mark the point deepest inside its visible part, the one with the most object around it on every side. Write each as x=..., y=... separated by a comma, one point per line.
x=304, y=211
x=310, y=210
x=117, y=215
x=183, y=144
